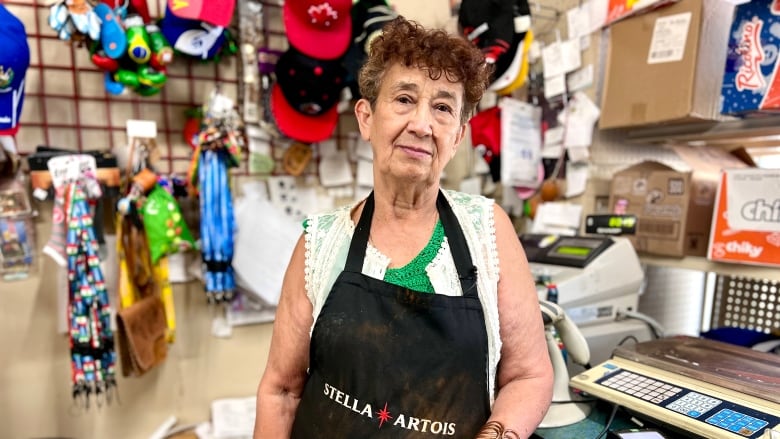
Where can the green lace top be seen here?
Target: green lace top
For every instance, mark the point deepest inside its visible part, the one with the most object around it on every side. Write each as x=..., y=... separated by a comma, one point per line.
x=413, y=274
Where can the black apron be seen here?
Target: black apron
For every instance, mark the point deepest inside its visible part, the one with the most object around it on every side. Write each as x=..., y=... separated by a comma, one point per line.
x=389, y=362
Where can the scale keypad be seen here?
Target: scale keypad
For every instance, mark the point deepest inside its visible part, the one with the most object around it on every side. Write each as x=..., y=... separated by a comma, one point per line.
x=735, y=418
x=694, y=404
x=641, y=387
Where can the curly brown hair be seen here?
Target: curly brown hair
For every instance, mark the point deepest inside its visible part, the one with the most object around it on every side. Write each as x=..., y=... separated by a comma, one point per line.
x=410, y=44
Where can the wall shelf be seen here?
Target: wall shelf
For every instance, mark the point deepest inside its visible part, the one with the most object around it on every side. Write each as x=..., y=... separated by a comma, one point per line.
x=703, y=264
x=760, y=131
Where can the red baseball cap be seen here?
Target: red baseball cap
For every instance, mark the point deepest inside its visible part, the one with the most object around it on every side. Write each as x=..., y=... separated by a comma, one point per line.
x=321, y=29
x=216, y=12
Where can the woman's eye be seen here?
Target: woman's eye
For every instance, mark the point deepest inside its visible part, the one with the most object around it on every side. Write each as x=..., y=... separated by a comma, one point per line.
x=444, y=108
x=404, y=99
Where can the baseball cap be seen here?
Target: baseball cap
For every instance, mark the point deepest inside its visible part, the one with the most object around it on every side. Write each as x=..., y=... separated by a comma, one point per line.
x=498, y=28
x=216, y=12
x=515, y=75
x=192, y=37
x=486, y=138
x=305, y=94
x=320, y=29
x=14, y=61
x=369, y=17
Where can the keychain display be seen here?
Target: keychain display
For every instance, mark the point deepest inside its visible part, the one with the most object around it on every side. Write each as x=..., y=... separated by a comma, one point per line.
x=16, y=248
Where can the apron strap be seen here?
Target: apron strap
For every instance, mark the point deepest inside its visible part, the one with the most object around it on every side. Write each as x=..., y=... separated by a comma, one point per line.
x=467, y=272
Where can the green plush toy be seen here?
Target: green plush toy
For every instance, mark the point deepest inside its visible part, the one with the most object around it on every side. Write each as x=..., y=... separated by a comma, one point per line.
x=165, y=228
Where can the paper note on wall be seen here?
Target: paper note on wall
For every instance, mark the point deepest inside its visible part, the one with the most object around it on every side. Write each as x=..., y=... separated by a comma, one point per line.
x=521, y=143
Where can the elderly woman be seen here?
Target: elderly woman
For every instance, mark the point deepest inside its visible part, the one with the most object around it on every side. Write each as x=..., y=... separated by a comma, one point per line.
x=413, y=313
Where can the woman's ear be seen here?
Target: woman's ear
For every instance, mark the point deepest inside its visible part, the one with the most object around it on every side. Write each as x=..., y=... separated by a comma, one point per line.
x=363, y=115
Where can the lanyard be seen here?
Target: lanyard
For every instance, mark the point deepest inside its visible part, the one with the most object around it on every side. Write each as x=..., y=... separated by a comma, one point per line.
x=93, y=358
x=217, y=225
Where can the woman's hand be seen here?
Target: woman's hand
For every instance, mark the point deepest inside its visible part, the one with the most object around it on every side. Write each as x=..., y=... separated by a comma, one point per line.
x=495, y=430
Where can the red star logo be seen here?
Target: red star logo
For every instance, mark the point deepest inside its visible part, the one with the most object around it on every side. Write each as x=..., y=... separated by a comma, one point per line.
x=384, y=416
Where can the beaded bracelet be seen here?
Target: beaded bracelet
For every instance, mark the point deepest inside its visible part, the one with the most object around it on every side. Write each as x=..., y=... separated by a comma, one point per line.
x=495, y=430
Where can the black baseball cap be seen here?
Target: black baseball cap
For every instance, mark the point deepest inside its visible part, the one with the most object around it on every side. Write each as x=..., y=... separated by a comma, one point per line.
x=497, y=27
x=305, y=95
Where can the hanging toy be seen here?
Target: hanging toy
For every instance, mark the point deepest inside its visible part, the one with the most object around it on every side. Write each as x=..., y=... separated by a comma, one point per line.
x=162, y=52
x=113, y=40
x=137, y=40
x=74, y=17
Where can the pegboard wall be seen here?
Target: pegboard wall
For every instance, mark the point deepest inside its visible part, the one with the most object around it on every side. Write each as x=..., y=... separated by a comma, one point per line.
x=262, y=29
x=747, y=303
x=66, y=105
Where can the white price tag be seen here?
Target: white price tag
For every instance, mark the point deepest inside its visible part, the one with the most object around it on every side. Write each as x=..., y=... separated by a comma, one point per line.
x=669, y=36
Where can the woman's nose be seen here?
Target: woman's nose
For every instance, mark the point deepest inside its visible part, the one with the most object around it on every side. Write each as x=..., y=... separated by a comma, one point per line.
x=420, y=122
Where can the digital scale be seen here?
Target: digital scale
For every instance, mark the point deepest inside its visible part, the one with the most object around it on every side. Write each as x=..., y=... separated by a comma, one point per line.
x=697, y=387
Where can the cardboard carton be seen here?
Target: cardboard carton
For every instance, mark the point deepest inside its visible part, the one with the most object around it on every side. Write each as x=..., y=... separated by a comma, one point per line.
x=660, y=65
x=746, y=224
x=673, y=208
x=658, y=195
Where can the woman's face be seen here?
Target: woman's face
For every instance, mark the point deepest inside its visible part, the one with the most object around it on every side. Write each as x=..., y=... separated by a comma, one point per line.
x=415, y=126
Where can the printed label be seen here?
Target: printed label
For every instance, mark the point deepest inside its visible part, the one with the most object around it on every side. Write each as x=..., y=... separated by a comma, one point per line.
x=669, y=37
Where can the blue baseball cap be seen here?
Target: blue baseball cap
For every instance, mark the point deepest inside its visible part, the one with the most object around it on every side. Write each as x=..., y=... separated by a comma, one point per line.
x=14, y=61
x=194, y=38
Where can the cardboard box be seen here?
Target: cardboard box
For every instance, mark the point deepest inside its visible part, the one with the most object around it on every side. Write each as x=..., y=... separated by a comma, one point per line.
x=660, y=65
x=750, y=80
x=673, y=208
x=707, y=164
x=746, y=224
x=658, y=196
x=620, y=9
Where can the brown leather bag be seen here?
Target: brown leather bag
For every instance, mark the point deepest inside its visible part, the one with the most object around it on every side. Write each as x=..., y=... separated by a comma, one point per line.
x=141, y=327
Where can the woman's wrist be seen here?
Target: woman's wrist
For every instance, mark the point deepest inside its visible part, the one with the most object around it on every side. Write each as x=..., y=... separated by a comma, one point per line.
x=495, y=430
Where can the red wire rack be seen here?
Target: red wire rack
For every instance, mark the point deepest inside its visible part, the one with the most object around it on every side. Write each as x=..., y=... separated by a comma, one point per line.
x=66, y=106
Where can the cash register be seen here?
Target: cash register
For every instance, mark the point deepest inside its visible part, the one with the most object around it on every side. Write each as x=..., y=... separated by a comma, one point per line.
x=597, y=278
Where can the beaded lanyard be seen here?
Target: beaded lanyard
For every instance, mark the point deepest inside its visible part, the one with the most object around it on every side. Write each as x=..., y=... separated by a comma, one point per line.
x=93, y=358
x=217, y=225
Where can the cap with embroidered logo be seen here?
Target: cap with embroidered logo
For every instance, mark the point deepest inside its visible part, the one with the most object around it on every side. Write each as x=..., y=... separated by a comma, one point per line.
x=320, y=29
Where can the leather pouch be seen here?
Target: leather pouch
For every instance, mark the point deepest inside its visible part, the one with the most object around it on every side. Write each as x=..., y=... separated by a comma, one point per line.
x=142, y=325
x=141, y=329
